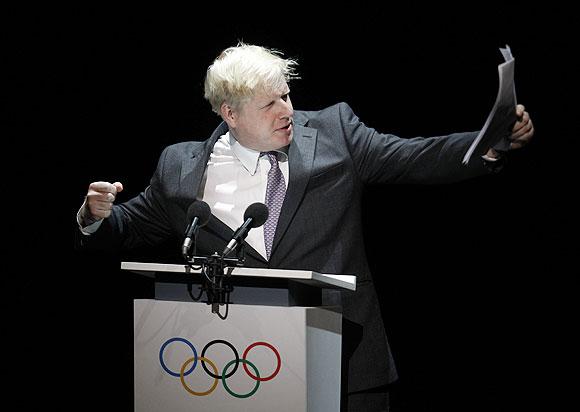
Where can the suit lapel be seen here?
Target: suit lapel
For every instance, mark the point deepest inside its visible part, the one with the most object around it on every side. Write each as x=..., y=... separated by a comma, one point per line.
x=300, y=158
x=192, y=174
x=193, y=168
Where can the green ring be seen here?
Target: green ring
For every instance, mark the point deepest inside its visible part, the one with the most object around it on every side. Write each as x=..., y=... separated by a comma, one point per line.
x=224, y=373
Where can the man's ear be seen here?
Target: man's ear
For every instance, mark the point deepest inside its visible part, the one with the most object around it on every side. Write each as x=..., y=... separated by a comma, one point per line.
x=228, y=114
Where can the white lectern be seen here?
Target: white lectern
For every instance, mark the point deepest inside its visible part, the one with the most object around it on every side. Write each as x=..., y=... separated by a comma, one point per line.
x=276, y=350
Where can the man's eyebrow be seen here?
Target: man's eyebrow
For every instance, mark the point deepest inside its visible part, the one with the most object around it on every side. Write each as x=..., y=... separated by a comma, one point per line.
x=266, y=105
x=272, y=99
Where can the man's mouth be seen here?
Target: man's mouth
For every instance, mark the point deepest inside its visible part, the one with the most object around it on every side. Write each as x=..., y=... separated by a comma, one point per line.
x=287, y=126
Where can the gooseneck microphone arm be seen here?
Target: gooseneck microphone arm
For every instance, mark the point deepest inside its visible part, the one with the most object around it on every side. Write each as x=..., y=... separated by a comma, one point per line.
x=191, y=231
x=198, y=214
x=238, y=237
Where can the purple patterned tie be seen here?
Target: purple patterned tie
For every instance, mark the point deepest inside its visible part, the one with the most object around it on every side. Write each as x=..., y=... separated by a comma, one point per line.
x=275, y=192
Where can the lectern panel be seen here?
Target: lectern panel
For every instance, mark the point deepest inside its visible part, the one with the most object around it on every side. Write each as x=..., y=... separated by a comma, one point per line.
x=260, y=358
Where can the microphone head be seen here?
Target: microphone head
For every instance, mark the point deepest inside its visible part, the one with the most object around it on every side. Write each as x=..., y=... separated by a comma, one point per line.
x=258, y=212
x=201, y=210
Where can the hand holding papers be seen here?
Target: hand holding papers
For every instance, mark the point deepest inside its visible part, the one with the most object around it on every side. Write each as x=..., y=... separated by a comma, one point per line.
x=499, y=123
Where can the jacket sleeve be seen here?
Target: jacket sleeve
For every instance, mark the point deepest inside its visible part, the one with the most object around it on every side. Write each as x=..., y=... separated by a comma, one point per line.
x=386, y=158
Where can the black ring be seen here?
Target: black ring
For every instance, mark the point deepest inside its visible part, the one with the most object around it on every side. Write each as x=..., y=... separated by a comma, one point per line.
x=231, y=347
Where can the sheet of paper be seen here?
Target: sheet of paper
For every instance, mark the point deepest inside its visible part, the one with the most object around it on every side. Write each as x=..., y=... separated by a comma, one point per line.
x=497, y=127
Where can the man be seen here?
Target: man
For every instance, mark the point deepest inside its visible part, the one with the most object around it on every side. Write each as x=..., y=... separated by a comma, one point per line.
x=310, y=169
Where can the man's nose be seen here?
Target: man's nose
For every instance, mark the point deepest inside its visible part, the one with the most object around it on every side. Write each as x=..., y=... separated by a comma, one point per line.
x=287, y=111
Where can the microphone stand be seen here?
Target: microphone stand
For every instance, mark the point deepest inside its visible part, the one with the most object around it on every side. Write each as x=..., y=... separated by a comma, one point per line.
x=216, y=281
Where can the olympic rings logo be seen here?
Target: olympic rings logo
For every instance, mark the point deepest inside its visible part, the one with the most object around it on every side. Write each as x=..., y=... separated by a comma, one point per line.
x=184, y=371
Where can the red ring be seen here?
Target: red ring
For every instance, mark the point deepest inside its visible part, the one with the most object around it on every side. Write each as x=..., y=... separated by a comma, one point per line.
x=267, y=378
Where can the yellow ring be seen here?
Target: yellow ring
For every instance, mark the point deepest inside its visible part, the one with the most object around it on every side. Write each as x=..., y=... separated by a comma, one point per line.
x=187, y=388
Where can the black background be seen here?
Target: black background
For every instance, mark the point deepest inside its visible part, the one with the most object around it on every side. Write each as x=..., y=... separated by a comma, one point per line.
x=475, y=279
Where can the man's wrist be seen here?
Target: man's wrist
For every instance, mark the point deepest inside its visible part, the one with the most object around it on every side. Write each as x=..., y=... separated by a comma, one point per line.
x=492, y=155
x=493, y=160
x=85, y=217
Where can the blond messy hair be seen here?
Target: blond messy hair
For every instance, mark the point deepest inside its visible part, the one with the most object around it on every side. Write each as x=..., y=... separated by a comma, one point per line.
x=241, y=71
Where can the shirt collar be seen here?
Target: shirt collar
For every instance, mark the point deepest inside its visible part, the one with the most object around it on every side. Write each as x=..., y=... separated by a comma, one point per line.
x=249, y=157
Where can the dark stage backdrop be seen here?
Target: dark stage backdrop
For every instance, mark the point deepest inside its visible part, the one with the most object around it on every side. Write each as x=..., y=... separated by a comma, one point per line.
x=472, y=278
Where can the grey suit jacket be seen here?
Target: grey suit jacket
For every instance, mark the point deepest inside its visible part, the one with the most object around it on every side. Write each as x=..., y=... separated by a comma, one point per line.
x=332, y=156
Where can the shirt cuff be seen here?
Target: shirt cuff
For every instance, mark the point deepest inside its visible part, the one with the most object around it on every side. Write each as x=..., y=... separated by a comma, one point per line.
x=494, y=164
x=87, y=224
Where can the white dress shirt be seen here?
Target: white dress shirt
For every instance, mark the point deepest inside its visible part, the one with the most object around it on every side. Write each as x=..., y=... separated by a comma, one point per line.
x=235, y=178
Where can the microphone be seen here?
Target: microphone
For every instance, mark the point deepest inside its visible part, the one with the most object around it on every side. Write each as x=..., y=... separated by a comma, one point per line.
x=254, y=216
x=198, y=215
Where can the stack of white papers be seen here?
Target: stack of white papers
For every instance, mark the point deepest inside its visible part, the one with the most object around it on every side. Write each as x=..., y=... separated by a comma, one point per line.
x=499, y=123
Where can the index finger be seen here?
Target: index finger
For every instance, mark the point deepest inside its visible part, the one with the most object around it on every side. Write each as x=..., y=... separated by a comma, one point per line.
x=104, y=187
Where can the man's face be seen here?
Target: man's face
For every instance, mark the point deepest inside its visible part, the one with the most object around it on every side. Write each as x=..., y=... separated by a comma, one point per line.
x=264, y=122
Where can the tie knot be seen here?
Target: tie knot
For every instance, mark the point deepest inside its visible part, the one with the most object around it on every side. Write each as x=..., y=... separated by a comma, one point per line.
x=272, y=157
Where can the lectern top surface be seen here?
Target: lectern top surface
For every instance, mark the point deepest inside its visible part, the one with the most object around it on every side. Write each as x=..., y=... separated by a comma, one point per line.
x=316, y=279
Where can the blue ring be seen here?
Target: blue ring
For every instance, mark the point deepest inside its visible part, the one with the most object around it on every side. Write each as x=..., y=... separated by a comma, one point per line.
x=188, y=343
